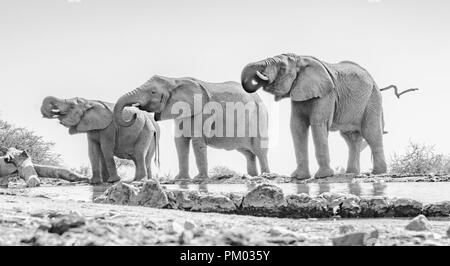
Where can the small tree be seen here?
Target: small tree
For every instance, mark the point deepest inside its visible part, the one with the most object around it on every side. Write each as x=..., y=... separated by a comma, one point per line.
x=40, y=150
x=419, y=159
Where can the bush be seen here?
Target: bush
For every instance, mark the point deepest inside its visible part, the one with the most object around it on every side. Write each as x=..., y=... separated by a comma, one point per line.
x=419, y=159
x=222, y=171
x=40, y=151
x=121, y=165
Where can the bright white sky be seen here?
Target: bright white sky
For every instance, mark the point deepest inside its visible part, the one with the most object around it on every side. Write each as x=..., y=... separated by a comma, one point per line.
x=100, y=49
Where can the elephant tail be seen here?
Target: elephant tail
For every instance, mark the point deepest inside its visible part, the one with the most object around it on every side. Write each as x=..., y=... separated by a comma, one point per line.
x=398, y=94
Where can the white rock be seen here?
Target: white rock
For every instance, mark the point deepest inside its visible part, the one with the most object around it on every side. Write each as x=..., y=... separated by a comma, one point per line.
x=419, y=223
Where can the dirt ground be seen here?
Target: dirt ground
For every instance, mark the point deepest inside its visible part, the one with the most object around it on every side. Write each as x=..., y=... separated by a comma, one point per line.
x=41, y=221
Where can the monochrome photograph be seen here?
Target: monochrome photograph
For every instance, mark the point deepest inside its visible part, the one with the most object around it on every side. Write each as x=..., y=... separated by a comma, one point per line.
x=205, y=123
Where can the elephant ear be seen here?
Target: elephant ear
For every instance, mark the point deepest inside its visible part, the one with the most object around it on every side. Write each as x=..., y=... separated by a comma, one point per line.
x=313, y=80
x=187, y=98
x=96, y=116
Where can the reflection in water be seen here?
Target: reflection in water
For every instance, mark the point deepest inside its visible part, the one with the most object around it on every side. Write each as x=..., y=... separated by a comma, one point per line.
x=203, y=188
x=324, y=187
x=378, y=188
x=354, y=188
x=302, y=188
x=183, y=184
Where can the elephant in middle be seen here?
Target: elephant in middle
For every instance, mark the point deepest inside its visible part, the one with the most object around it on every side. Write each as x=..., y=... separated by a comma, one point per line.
x=208, y=118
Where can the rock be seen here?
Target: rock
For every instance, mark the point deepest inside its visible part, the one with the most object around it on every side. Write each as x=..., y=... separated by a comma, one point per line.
x=406, y=207
x=350, y=207
x=356, y=239
x=214, y=203
x=173, y=228
x=419, y=223
x=376, y=207
x=120, y=193
x=264, y=199
x=437, y=209
x=151, y=195
x=236, y=198
x=189, y=225
x=65, y=223
x=281, y=231
x=33, y=181
x=333, y=200
x=185, y=199
x=303, y=206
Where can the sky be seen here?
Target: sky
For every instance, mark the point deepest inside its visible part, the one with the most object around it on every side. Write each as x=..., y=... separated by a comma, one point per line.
x=98, y=49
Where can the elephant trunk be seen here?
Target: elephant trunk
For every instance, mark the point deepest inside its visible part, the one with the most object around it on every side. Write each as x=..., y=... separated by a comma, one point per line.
x=251, y=77
x=48, y=105
x=134, y=97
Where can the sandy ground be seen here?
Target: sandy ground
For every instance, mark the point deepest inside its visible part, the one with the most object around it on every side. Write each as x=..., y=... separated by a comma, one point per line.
x=28, y=221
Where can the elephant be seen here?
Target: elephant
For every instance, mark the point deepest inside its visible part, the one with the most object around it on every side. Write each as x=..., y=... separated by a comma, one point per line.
x=106, y=139
x=162, y=95
x=324, y=97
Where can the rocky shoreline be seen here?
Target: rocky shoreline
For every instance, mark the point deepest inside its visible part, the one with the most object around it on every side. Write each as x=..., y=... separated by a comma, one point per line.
x=268, y=200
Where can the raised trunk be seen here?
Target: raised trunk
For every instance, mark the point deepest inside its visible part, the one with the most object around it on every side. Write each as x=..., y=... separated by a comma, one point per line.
x=47, y=106
x=250, y=81
x=133, y=97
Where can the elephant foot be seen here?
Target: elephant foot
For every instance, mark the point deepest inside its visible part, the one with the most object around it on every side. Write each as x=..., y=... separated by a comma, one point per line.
x=300, y=175
x=183, y=178
x=352, y=170
x=379, y=170
x=323, y=173
x=113, y=179
x=95, y=181
x=136, y=178
x=200, y=178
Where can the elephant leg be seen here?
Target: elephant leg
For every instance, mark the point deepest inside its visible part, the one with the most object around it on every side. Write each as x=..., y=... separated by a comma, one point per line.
x=108, y=154
x=94, y=158
x=182, y=146
x=372, y=132
x=148, y=160
x=251, y=162
x=320, y=138
x=104, y=168
x=354, y=141
x=200, y=152
x=140, y=152
x=261, y=154
x=299, y=130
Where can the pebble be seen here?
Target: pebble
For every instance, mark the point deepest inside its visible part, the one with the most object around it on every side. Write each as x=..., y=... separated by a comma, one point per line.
x=356, y=239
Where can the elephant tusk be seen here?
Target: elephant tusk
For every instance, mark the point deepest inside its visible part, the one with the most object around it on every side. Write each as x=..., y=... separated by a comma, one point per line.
x=262, y=76
x=136, y=104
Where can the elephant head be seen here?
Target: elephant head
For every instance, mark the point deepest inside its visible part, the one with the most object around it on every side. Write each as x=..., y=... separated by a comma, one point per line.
x=78, y=114
x=288, y=75
x=158, y=95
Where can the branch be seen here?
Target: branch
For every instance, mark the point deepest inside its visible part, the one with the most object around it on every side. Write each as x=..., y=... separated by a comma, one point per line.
x=396, y=90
